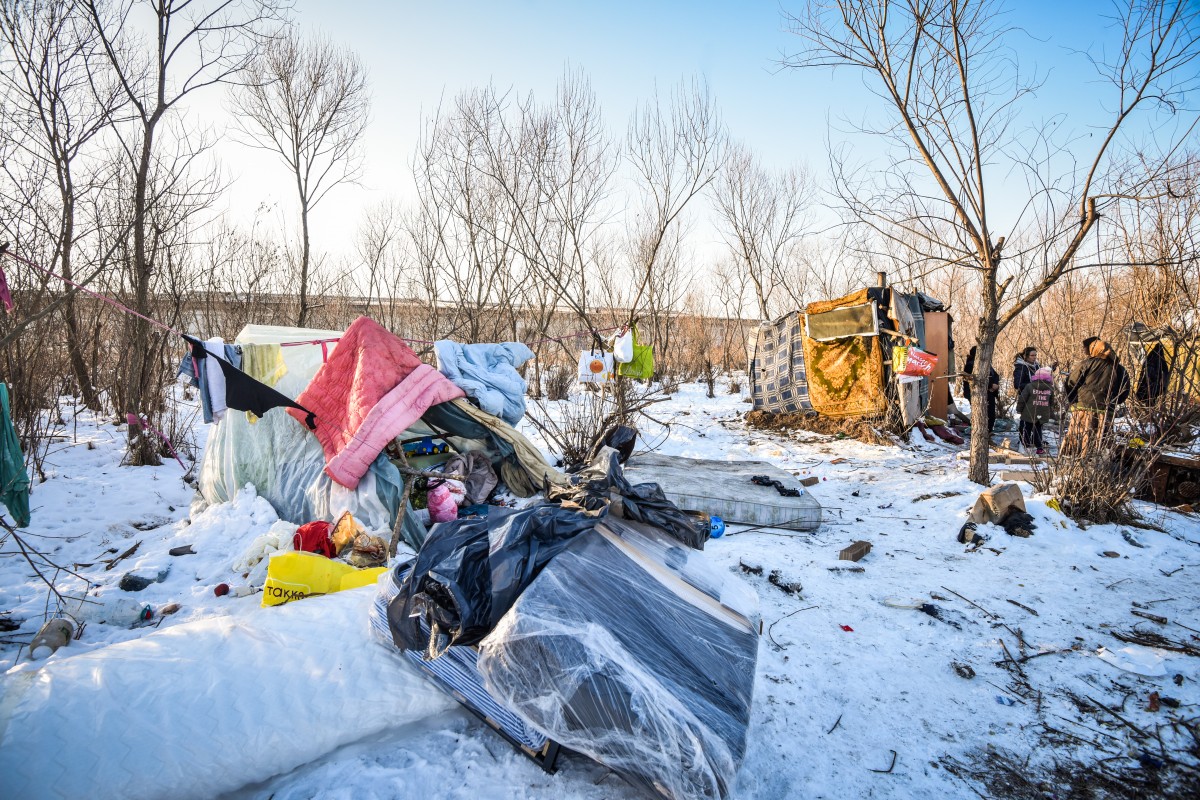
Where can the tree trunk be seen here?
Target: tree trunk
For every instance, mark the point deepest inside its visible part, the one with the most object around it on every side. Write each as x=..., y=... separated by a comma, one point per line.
x=981, y=440
x=83, y=378
x=302, y=321
x=142, y=451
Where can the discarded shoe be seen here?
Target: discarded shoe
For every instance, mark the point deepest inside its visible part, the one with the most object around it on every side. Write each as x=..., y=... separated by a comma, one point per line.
x=969, y=534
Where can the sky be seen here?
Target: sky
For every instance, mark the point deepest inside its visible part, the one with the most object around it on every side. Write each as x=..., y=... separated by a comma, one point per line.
x=421, y=53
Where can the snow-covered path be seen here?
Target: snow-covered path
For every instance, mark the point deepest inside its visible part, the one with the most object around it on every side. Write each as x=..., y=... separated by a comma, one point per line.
x=851, y=670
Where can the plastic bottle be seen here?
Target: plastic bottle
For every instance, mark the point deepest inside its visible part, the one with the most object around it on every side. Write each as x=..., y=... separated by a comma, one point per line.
x=56, y=633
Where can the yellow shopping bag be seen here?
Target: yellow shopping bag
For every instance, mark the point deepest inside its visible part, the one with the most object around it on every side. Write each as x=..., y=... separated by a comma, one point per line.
x=294, y=576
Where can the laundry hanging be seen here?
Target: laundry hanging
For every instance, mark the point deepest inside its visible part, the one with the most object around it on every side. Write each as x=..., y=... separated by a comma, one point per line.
x=263, y=362
x=243, y=393
x=14, y=480
x=5, y=295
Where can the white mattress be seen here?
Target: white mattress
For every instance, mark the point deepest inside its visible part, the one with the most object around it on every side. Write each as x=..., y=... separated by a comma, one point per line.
x=723, y=489
x=206, y=707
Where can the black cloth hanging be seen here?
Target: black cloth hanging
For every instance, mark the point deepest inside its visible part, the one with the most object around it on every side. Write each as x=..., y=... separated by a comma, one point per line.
x=243, y=393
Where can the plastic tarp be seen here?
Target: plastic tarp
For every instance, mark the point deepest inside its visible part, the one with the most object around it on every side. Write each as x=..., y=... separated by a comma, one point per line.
x=203, y=708
x=286, y=465
x=470, y=571
x=636, y=652
x=603, y=483
x=284, y=461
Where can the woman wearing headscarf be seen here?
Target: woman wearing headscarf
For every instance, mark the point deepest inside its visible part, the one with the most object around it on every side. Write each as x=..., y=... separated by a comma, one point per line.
x=1094, y=389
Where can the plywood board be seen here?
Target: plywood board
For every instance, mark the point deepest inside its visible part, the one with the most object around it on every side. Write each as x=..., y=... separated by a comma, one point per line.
x=937, y=340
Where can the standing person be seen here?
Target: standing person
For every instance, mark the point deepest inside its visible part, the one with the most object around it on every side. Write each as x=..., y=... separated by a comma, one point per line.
x=1035, y=404
x=1094, y=390
x=993, y=388
x=1024, y=365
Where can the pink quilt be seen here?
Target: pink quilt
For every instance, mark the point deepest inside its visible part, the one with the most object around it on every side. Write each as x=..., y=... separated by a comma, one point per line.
x=370, y=391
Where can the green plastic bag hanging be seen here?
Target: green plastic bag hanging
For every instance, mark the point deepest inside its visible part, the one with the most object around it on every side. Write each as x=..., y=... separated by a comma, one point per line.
x=14, y=480
x=642, y=366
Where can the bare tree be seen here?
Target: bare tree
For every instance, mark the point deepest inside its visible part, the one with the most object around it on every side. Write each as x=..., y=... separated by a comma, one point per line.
x=59, y=101
x=384, y=261
x=161, y=52
x=676, y=150
x=763, y=216
x=307, y=101
x=953, y=93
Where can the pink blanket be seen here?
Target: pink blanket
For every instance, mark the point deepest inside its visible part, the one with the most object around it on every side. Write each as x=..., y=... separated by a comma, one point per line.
x=370, y=391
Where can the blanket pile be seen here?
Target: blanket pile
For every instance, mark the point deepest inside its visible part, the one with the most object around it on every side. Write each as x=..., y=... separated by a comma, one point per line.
x=370, y=391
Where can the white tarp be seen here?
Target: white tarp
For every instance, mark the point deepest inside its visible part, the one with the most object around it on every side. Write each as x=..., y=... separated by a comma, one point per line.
x=282, y=459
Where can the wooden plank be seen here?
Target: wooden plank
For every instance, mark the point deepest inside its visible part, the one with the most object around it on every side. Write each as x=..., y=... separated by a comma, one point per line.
x=937, y=340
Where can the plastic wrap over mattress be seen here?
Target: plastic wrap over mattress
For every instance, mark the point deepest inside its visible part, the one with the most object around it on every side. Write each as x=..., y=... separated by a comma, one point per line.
x=633, y=650
x=206, y=707
x=455, y=671
x=470, y=571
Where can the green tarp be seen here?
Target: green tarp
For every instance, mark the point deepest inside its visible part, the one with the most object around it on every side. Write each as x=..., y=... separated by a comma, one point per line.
x=14, y=480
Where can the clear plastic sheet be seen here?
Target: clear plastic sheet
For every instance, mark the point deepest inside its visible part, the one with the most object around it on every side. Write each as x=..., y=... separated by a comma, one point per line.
x=285, y=464
x=634, y=651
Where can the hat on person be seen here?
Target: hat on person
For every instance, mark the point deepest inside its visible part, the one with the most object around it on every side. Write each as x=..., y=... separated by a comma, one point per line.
x=1043, y=374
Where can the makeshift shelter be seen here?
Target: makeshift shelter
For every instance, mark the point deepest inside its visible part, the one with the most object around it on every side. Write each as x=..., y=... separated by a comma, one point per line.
x=835, y=358
x=1163, y=361
x=288, y=465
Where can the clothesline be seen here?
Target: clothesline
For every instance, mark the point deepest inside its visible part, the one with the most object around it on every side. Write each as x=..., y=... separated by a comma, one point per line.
x=229, y=370
x=114, y=303
x=575, y=335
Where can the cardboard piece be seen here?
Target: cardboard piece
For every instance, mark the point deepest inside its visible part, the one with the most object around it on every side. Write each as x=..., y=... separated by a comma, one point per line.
x=995, y=502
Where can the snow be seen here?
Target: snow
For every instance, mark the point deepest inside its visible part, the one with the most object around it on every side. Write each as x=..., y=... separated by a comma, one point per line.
x=831, y=705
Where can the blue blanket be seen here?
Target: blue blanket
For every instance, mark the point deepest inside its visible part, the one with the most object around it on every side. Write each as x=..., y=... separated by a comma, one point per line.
x=487, y=373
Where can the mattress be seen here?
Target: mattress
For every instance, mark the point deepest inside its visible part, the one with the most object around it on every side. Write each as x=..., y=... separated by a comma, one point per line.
x=723, y=489
x=206, y=707
x=456, y=672
x=638, y=653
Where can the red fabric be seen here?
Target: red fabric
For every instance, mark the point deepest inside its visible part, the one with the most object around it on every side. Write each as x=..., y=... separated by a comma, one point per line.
x=5, y=297
x=948, y=435
x=313, y=537
x=368, y=392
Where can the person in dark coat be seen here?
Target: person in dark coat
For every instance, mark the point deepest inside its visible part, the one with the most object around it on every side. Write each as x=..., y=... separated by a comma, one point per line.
x=1024, y=365
x=993, y=387
x=1094, y=390
x=1156, y=376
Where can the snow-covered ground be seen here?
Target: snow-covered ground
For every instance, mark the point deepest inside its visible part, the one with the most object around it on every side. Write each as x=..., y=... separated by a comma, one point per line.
x=857, y=694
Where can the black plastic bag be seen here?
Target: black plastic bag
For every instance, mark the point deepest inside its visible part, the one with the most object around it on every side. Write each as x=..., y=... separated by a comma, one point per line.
x=621, y=438
x=592, y=489
x=470, y=571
